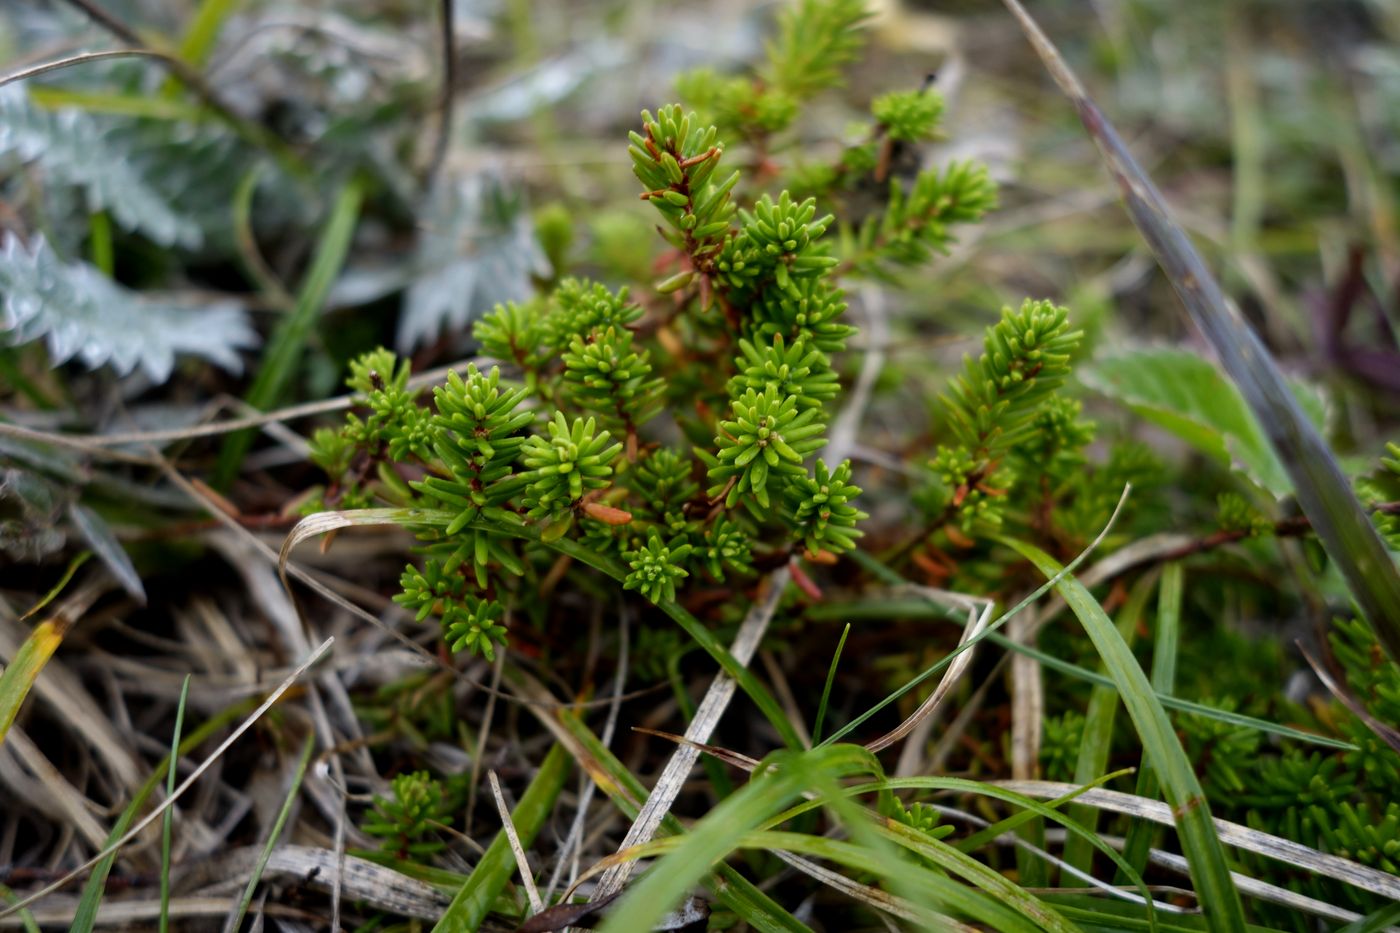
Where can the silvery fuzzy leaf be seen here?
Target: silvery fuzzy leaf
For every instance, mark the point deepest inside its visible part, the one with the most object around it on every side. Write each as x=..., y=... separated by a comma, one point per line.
x=478, y=250
x=81, y=313
x=73, y=148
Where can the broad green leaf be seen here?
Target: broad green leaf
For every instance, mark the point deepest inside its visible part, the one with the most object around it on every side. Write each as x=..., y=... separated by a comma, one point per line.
x=1187, y=395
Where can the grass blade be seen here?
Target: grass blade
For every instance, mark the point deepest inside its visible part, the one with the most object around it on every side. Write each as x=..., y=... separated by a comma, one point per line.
x=29, y=660
x=1199, y=841
x=101, y=863
x=715, y=835
x=1029, y=809
x=1323, y=490
x=922, y=607
x=26, y=916
x=826, y=688
x=1140, y=836
x=1098, y=730
x=35, y=652
x=86, y=915
x=236, y=918
x=167, y=821
x=622, y=787
x=288, y=341
x=474, y=901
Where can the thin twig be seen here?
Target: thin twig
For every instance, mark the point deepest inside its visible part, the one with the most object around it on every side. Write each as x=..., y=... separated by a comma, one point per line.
x=482, y=735
x=81, y=59
x=447, y=37
x=521, y=861
x=190, y=77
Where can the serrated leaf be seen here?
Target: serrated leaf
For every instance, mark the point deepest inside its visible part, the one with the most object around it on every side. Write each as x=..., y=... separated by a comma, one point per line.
x=73, y=148
x=478, y=250
x=79, y=312
x=1185, y=394
x=104, y=544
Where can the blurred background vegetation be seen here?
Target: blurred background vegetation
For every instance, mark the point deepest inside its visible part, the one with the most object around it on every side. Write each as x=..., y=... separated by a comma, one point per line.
x=188, y=248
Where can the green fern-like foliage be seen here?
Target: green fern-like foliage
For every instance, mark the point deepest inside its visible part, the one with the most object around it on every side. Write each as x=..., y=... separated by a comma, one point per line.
x=777, y=245
x=766, y=442
x=815, y=40
x=675, y=434
x=604, y=371
x=994, y=404
x=475, y=624
x=403, y=822
x=823, y=515
x=672, y=438
x=908, y=116
x=574, y=460
x=657, y=567
x=1383, y=487
x=917, y=222
x=489, y=461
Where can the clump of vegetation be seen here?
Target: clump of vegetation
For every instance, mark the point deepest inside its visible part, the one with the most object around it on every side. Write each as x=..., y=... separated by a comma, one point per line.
x=722, y=406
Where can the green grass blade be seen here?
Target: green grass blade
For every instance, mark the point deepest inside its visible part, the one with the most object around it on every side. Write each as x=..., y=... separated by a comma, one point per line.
x=1101, y=915
x=878, y=862
x=1199, y=842
x=1098, y=730
x=167, y=822
x=19, y=676
x=1002, y=890
x=1375, y=922
x=1029, y=809
x=732, y=889
x=880, y=570
x=920, y=607
x=78, y=560
x=117, y=104
x=1142, y=834
x=919, y=885
x=86, y=915
x=290, y=338
x=715, y=835
x=473, y=902
x=236, y=918
x=26, y=916
x=826, y=688
x=204, y=30
x=990, y=898
x=1323, y=490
